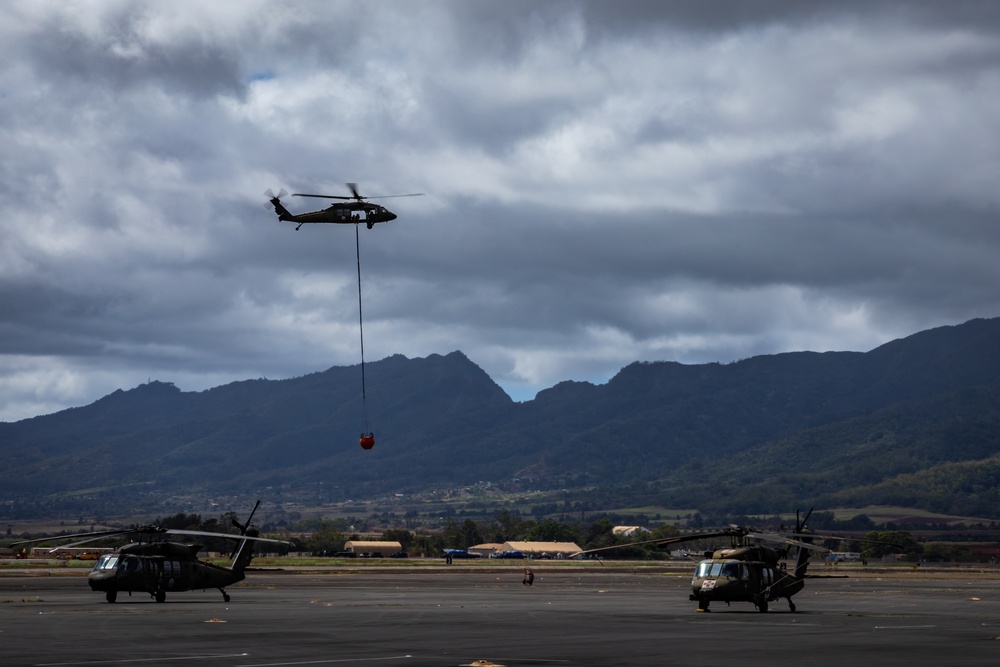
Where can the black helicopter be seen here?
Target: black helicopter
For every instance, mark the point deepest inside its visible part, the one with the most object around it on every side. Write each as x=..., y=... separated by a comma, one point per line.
x=746, y=570
x=354, y=210
x=156, y=566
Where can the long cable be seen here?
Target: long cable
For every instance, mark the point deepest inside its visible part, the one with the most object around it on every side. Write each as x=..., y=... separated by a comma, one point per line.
x=361, y=330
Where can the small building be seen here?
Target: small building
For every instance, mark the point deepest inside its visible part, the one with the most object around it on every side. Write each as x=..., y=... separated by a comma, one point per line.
x=485, y=550
x=375, y=549
x=543, y=549
x=628, y=531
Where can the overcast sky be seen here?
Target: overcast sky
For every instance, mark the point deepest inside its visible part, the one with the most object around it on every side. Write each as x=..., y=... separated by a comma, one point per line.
x=605, y=182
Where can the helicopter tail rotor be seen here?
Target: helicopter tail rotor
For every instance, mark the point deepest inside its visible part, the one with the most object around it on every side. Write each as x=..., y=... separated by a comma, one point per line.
x=802, y=559
x=275, y=201
x=246, y=525
x=800, y=526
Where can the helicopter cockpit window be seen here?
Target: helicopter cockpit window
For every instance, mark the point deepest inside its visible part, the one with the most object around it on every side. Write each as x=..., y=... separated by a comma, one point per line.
x=107, y=562
x=731, y=570
x=130, y=565
x=715, y=569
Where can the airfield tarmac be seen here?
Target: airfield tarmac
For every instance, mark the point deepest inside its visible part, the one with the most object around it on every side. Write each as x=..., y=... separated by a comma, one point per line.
x=449, y=617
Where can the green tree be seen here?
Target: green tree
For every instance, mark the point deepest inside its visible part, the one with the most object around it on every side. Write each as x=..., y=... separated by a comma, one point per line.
x=878, y=544
x=461, y=535
x=664, y=532
x=551, y=530
x=509, y=526
x=404, y=537
x=600, y=534
x=326, y=538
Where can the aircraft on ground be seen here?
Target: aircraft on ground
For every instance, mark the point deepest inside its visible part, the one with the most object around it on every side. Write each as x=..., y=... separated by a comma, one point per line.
x=747, y=570
x=158, y=566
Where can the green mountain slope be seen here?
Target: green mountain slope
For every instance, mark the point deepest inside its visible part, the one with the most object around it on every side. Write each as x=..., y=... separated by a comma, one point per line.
x=762, y=434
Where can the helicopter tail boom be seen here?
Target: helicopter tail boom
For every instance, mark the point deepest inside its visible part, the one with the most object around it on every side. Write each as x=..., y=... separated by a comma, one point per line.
x=244, y=552
x=802, y=559
x=282, y=212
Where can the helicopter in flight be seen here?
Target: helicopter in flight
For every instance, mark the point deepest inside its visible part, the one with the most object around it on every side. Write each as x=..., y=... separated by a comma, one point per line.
x=747, y=570
x=355, y=209
x=157, y=566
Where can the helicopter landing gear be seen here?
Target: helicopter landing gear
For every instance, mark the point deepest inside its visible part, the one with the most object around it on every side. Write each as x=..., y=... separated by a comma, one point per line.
x=225, y=595
x=111, y=596
x=791, y=605
x=703, y=605
x=762, y=605
x=370, y=225
x=160, y=596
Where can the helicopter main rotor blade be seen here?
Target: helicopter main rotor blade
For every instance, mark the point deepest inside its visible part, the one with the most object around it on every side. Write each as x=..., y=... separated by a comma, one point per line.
x=412, y=194
x=842, y=538
x=93, y=539
x=660, y=542
x=93, y=536
x=98, y=534
x=299, y=194
x=230, y=536
x=775, y=537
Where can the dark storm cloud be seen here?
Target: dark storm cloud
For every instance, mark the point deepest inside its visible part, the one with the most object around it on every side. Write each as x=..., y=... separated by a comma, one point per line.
x=606, y=182
x=629, y=16
x=121, y=56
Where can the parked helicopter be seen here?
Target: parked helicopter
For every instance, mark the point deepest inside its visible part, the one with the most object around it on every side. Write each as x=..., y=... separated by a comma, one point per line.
x=746, y=571
x=354, y=210
x=156, y=566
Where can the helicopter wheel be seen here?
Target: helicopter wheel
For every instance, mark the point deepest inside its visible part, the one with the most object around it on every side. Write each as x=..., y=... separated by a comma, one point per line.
x=791, y=605
x=762, y=605
x=370, y=225
x=111, y=596
x=703, y=605
x=161, y=596
x=225, y=595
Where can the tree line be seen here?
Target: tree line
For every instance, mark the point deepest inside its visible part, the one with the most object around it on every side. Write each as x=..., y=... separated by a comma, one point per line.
x=327, y=536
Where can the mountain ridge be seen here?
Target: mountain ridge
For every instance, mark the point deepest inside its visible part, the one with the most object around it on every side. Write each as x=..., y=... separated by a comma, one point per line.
x=720, y=435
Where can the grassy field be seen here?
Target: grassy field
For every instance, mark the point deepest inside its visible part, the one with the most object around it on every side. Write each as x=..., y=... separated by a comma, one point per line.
x=882, y=514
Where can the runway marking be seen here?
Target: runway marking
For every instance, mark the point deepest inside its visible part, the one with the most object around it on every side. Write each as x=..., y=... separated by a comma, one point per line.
x=139, y=660
x=903, y=627
x=329, y=661
x=333, y=661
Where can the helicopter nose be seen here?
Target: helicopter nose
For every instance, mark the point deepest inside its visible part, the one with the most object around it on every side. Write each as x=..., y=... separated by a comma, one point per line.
x=391, y=216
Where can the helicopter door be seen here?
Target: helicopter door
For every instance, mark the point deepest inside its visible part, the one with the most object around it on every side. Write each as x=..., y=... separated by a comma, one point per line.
x=130, y=571
x=154, y=574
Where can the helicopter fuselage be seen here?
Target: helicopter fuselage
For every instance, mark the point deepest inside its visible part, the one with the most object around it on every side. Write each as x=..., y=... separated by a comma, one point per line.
x=346, y=213
x=162, y=567
x=745, y=574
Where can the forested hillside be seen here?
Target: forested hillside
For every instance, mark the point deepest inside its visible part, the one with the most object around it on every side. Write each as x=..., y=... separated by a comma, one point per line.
x=913, y=422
